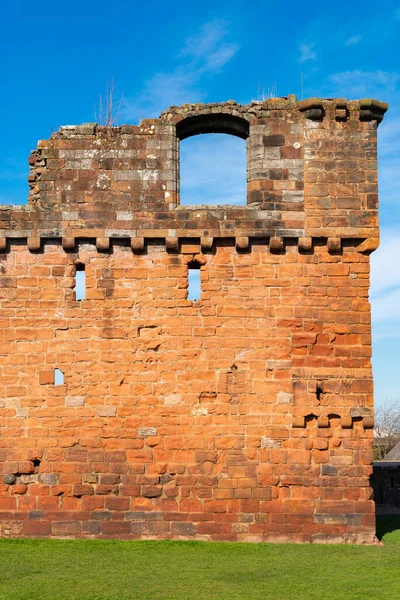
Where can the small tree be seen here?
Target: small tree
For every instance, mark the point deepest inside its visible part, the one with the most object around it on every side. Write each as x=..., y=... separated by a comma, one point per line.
x=387, y=428
x=109, y=106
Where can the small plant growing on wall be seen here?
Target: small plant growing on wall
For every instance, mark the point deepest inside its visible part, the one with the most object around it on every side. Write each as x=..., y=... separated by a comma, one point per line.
x=108, y=109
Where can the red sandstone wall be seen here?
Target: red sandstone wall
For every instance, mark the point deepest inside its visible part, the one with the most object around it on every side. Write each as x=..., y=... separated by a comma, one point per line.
x=193, y=411
x=244, y=416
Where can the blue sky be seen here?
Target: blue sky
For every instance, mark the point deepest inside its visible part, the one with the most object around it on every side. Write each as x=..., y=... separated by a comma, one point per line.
x=58, y=56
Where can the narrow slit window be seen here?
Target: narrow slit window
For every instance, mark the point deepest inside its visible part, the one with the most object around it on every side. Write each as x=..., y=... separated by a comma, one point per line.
x=80, y=283
x=58, y=377
x=194, y=287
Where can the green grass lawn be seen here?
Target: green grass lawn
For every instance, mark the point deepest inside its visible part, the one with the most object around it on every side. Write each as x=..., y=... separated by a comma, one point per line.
x=108, y=570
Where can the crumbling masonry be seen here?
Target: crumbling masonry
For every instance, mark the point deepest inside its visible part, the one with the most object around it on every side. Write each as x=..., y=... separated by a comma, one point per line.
x=246, y=415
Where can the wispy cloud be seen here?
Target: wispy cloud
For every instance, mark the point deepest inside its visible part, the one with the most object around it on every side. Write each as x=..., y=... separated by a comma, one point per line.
x=307, y=52
x=385, y=270
x=358, y=83
x=389, y=163
x=208, y=46
x=385, y=286
x=352, y=41
x=213, y=170
x=203, y=54
x=389, y=136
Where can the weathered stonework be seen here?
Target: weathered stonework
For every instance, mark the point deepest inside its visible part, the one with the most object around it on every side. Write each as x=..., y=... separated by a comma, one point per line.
x=246, y=415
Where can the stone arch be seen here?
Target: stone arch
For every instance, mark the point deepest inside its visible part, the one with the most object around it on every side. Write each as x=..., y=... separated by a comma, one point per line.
x=217, y=120
x=213, y=123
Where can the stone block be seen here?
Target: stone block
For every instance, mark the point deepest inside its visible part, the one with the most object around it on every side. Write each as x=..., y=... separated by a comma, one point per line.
x=305, y=244
x=172, y=244
x=334, y=245
x=34, y=244
x=284, y=398
x=206, y=243
x=103, y=244
x=368, y=422
x=147, y=431
x=172, y=399
x=48, y=478
x=273, y=140
x=46, y=377
x=68, y=243
x=74, y=401
x=137, y=244
x=242, y=243
x=346, y=422
x=276, y=244
x=106, y=411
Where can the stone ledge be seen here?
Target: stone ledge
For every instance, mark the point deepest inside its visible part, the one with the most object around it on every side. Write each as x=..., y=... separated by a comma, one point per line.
x=103, y=241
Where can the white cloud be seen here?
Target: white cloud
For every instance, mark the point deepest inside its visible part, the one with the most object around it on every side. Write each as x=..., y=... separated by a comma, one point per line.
x=205, y=53
x=389, y=135
x=352, y=41
x=385, y=286
x=361, y=84
x=389, y=190
x=389, y=160
x=208, y=46
x=385, y=271
x=386, y=308
x=160, y=92
x=307, y=52
x=220, y=57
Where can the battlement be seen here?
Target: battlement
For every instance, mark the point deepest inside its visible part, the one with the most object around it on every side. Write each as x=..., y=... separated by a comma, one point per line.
x=311, y=172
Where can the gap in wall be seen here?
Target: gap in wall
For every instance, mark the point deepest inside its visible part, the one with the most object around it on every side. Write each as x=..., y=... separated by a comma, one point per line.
x=213, y=170
x=194, y=287
x=58, y=377
x=80, y=283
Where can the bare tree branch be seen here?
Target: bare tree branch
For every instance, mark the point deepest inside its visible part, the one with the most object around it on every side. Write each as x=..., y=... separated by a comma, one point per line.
x=387, y=428
x=272, y=92
x=109, y=106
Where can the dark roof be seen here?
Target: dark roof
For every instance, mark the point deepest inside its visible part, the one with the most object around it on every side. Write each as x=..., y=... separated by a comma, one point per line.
x=394, y=454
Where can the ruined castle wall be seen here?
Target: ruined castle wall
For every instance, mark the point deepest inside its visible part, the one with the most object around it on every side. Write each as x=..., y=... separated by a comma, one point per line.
x=245, y=415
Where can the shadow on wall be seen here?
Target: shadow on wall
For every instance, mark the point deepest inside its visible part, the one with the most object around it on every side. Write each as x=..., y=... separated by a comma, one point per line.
x=386, y=524
x=385, y=482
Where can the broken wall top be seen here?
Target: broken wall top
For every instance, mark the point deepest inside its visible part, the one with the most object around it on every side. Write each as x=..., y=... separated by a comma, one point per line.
x=311, y=171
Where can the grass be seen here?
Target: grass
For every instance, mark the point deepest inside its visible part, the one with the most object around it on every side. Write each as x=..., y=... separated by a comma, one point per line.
x=111, y=570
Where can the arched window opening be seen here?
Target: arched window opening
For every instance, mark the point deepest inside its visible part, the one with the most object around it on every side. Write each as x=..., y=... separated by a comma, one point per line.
x=213, y=167
x=213, y=170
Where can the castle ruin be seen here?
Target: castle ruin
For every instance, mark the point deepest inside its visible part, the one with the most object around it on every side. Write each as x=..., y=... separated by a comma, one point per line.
x=137, y=413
